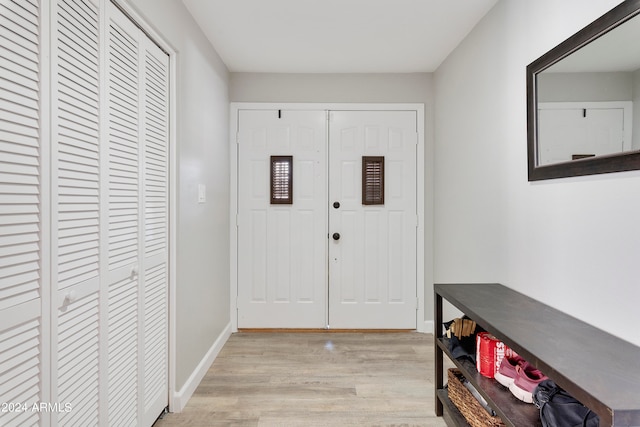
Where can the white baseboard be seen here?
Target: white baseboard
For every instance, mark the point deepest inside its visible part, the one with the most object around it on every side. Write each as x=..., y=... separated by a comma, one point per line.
x=181, y=397
x=427, y=327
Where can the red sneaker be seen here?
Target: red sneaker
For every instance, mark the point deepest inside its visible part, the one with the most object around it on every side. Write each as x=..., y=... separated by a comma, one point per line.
x=507, y=371
x=527, y=379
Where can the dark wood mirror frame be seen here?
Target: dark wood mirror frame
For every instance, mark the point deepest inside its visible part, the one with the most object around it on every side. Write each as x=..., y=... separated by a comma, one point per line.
x=587, y=166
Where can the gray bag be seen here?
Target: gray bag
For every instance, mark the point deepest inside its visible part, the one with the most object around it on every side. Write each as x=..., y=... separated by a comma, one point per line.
x=559, y=409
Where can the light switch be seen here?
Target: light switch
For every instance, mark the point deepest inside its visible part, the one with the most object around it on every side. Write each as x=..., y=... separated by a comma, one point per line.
x=202, y=193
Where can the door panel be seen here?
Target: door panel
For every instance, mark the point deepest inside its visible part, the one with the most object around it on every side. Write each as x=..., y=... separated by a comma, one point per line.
x=24, y=225
x=20, y=354
x=282, y=247
x=124, y=219
x=153, y=339
x=78, y=353
x=138, y=99
x=76, y=212
x=372, y=267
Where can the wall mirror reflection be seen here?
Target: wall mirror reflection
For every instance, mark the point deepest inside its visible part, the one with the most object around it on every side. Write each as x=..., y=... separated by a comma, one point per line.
x=584, y=100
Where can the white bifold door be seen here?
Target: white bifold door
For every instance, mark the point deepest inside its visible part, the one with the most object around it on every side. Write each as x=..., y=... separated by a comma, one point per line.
x=83, y=217
x=136, y=224
x=23, y=222
x=327, y=219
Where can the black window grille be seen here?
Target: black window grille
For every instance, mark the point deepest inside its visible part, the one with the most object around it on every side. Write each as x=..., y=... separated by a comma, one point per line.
x=281, y=180
x=373, y=180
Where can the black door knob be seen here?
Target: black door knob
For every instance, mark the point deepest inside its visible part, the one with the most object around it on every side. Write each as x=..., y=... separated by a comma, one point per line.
x=336, y=236
x=336, y=205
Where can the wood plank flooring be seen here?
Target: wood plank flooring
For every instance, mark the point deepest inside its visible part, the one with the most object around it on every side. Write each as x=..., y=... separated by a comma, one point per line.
x=316, y=379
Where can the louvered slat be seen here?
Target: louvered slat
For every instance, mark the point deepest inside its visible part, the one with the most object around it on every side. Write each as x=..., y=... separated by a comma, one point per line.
x=78, y=138
x=155, y=335
x=20, y=371
x=78, y=355
x=281, y=180
x=372, y=180
x=25, y=25
x=122, y=393
x=156, y=154
x=16, y=44
x=19, y=155
x=123, y=148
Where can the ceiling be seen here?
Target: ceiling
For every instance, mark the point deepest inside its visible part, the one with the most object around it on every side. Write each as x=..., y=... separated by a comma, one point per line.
x=336, y=36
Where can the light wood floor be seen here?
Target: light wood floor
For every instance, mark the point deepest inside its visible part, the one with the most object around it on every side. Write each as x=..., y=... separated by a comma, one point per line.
x=316, y=379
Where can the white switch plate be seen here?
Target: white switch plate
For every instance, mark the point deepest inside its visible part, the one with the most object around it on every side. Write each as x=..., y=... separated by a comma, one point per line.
x=202, y=193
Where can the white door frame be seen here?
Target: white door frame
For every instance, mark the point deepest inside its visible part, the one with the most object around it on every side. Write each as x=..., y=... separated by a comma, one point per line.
x=236, y=107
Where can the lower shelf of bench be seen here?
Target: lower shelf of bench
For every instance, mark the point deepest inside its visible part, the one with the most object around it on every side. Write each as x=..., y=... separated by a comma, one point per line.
x=451, y=414
x=512, y=411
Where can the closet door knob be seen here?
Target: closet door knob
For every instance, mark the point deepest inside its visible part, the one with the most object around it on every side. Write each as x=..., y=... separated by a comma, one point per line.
x=70, y=297
x=134, y=271
x=336, y=236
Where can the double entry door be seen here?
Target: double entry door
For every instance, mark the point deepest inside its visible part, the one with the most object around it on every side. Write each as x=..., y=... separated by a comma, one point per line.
x=327, y=219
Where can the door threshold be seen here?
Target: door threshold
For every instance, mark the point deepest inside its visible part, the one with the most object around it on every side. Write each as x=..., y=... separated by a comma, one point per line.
x=323, y=330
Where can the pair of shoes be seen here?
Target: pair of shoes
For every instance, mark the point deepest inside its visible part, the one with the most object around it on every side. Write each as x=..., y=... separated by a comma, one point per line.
x=526, y=382
x=507, y=373
x=520, y=377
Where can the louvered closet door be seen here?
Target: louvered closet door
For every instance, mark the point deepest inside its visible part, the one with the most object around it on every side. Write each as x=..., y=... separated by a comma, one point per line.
x=137, y=218
x=124, y=220
x=75, y=211
x=153, y=343
x=83, y=217
x=22, y=222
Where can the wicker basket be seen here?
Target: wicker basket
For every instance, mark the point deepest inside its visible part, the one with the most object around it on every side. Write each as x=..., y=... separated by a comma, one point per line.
x=468, y=405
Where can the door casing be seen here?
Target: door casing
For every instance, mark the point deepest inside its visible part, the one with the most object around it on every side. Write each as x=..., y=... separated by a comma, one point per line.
x=236, y=107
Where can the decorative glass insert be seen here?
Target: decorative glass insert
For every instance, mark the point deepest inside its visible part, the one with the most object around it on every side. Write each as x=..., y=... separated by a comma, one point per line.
x=373, y=180
x=281, y=180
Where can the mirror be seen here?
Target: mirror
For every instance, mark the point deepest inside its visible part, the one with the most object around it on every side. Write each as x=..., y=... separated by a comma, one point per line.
x=583, y=100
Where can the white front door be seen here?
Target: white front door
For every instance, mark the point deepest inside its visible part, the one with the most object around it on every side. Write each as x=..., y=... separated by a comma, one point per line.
x=324, y=258
x=282, y=255
x=570, y=131
x=372, y=250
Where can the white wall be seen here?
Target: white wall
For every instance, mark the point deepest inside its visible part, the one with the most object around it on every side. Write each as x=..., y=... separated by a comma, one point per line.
x=273, y=87
x=636, y=111
x=354, y=88
x=203, y=158
x=586, y=87
x=571, y=243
